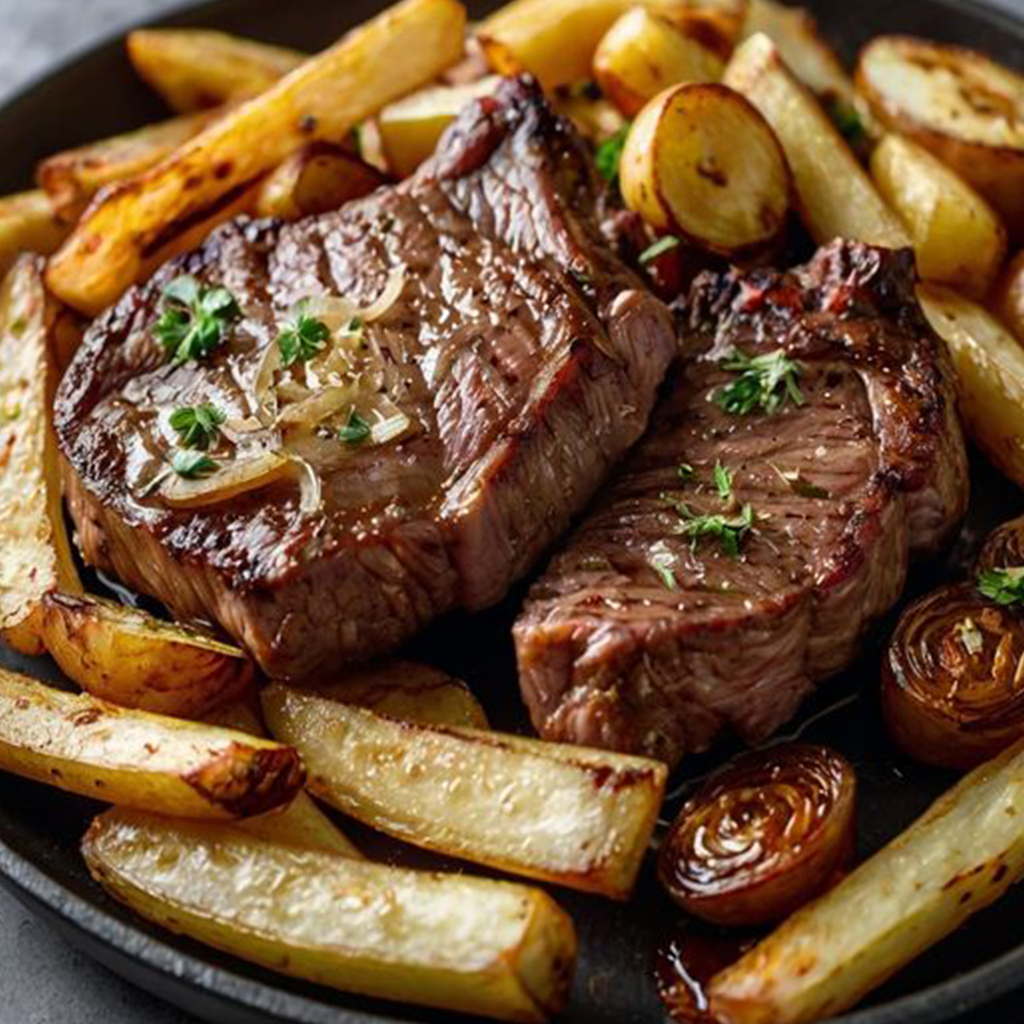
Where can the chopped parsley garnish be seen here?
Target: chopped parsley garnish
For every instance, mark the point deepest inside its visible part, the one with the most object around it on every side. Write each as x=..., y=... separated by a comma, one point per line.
x=303, y=339
x=661, y=561
x=198, y=426
x=1003, y=586
x=970, y=636
x=194, y=319
x=723, y=481
x=609, y=155
x=764, y=382
x=190, y=465
x=685, y=472
x=659, y=248
x=356, y=431
x=729, y=531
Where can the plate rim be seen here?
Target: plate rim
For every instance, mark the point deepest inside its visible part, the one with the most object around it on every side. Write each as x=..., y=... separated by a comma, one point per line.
x=85, y=923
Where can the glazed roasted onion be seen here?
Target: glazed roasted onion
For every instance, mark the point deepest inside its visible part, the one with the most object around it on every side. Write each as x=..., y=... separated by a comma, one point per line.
x=1004, y=548
x=953, y=679
x=763, y=837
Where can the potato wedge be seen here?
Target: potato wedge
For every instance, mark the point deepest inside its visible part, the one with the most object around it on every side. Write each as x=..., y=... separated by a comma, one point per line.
x=193, y=69
x=555, y=40
x=834, y=195
x=318, y=178
x=643, y=53
x=578, y=817
x=989, y=364
x=323, y=98
x=73, y=177
x=410, y=128
x=702, y=163
x=1007, y=298
x=163, y=765
x=958, y=238
x=35, y=556
x=967, y=109
x=408, y=691
x=959, y=857
x=129, y=658
x=28, y=224
x=452, y=941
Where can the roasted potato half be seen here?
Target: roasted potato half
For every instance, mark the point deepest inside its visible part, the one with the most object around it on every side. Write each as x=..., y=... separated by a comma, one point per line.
x=28, y=223
x=643, y=54
x=578, y=817
x=322, y=99
x=132, y=659
x=555, y=40
x=162, y=765
x=702, y=163
x=193, y=69
x=318, y=178
x=834, y=194
x=967, y=109
x=1008, y=296
x=451, y=941
x=958, y=238
x=959, y=857
x=73, y=177
x=989, y=364
x=410, y=128
x=35, y=556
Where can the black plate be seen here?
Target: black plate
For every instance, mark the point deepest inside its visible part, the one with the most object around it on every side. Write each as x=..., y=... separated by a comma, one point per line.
x=40, y=828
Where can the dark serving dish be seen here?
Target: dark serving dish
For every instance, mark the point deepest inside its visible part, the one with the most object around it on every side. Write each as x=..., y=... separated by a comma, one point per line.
x=97, y=95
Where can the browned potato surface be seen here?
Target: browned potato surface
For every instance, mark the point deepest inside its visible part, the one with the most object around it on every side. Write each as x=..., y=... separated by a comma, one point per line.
x=28, y=223
x=1008, y=296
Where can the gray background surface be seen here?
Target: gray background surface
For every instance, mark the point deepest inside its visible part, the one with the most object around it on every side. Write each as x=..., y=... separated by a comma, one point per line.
x=43, y=980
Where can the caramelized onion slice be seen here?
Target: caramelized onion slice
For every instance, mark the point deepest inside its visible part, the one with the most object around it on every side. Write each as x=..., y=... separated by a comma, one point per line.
x=762, y=837
x=1004, y=548
x=953, y=679
x=229, y=481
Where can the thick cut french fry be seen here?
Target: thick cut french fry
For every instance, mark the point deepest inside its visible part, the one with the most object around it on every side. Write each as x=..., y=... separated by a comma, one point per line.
x=28, y=224
x=410, y=128
x=451, y=941
x=129, y=658
x=163, y=765
x=73, y=177
x=958, y=238
x=315, y=179
x=555, y=40
x=962, y=855
x=35, y=556
x=579, y=817
x=193, y=69
x=322, y=99
x=643, y=54
x=989, y=365
x=835, y=196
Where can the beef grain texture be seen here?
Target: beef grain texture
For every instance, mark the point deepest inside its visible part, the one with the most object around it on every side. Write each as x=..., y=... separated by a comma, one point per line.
x=525, y=351
x=870, y=471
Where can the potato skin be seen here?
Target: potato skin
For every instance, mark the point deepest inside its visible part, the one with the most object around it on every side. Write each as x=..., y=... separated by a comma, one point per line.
x=1007, y=300
x=124, y=656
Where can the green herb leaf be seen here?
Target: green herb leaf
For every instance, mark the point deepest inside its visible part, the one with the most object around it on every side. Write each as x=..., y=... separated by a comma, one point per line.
x=723, y=481
x=800, y=485
x=356, y=431
x=194, y=318
x=764, y=382
x=198, y=426
x=661, y=561
x=848, y=121
x=1003, y=586
x=659, y=248
x=190, y=465
x=685, y=472
x=609, y=155
x=729, y=531
x=303, y=339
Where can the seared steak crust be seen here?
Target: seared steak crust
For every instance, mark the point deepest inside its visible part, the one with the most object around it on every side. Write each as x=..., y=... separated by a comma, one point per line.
x=525, y=352
x=639, y=639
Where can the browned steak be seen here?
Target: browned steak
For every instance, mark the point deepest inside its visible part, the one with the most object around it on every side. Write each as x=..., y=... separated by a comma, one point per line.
x=645, y=636
x=526, y=355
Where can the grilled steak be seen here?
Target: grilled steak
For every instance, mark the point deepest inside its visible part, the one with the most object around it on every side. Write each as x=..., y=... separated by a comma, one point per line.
x=646, y=634
x=523, y=351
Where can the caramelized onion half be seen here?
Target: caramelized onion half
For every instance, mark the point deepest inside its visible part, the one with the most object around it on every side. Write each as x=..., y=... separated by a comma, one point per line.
x=953, y=679
x=229, y=481
x=762, y=837
x=1004, y=548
